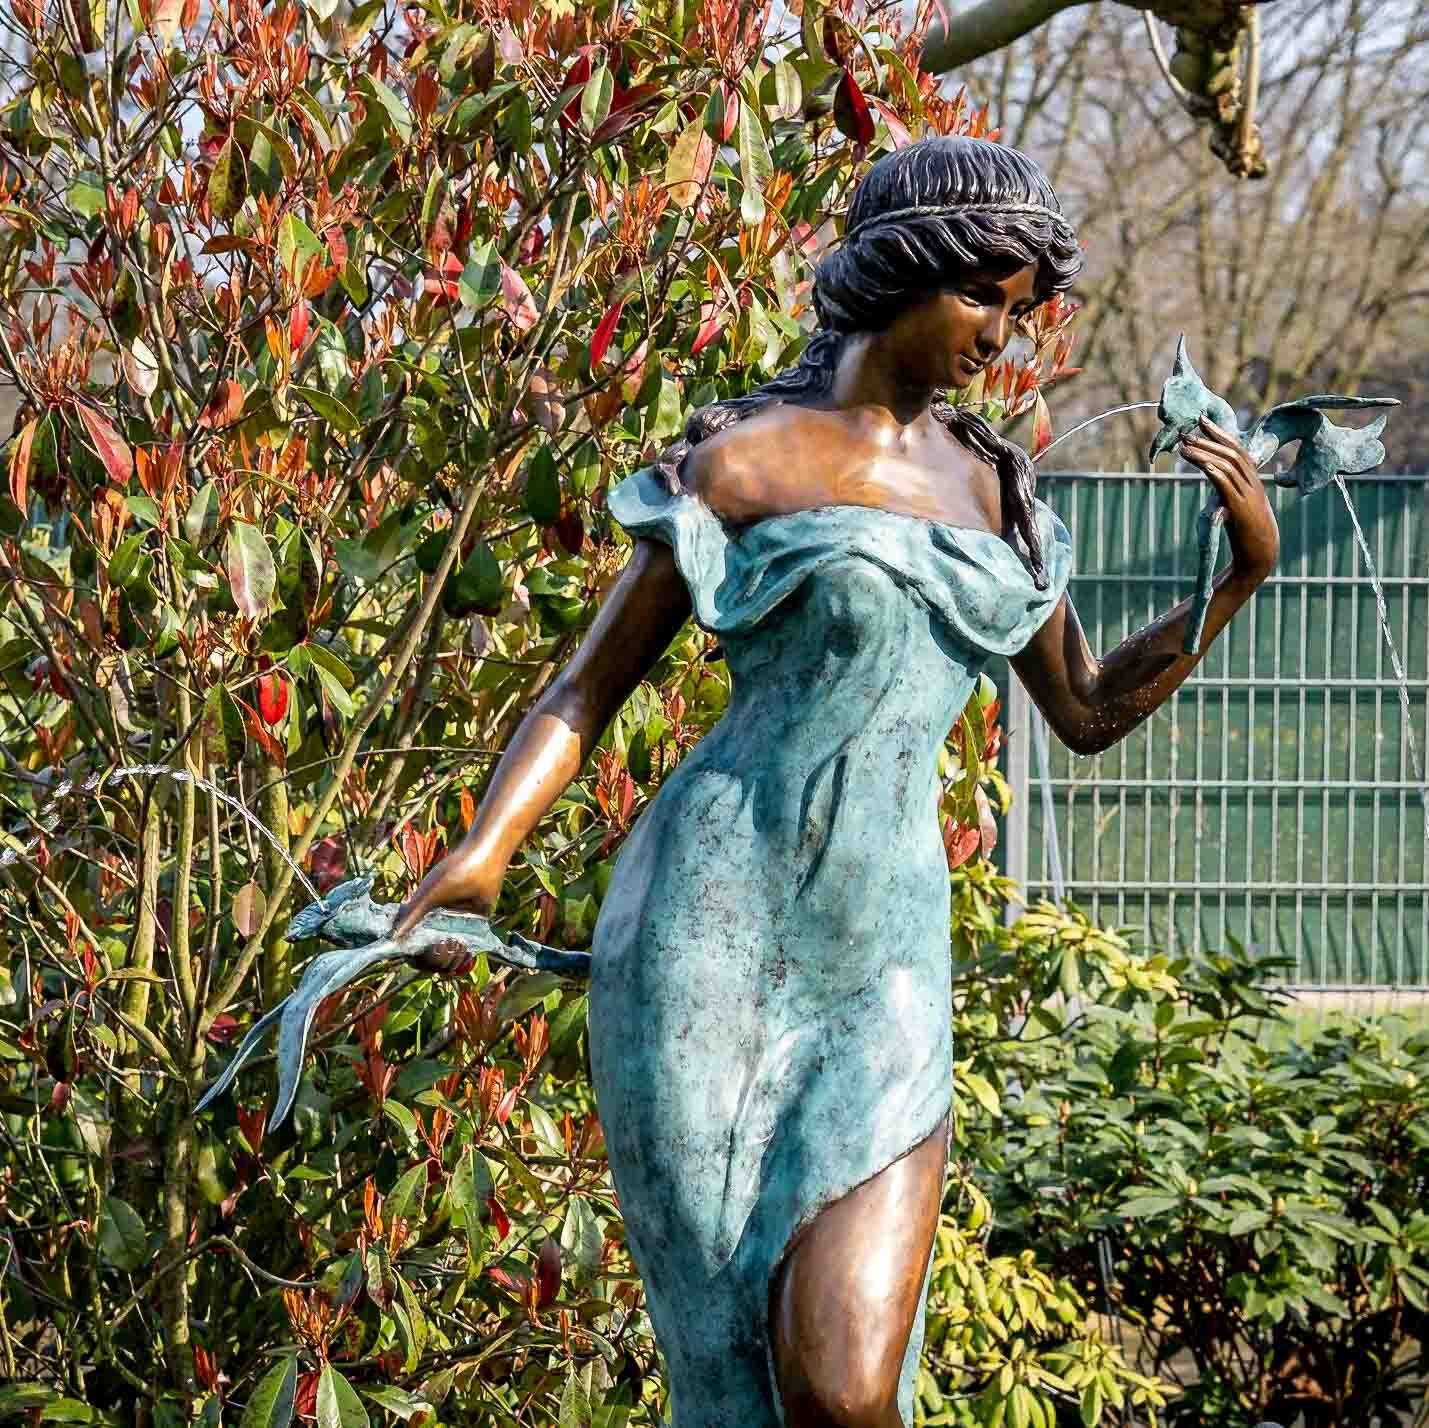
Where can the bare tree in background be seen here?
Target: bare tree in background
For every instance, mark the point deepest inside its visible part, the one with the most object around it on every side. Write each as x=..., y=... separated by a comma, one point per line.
x=1313, y=279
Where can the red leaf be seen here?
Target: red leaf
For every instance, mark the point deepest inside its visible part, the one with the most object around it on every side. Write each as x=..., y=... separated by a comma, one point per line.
x=508, y=46
x=425, y=93
x=532, y=245
x=444, y=282
x=327, y=862
x=272, y=697
x=336, y=242
x=499, y=1218
x=711, y=325
x=20, y=465
x=577, y=74
x=987, y=824
x=506, y=1105
x=250, y=1122
x=626, y=108
x=223, y=1030
x=1041, y=425
x=224, y=406
x=297, y=327
x=113, y=451
x=548, y=1272
x=851, y=110
x=961, y=842
x=603, y=333
x=270, y=746
x=516, y=298
x=897, y=130
x=570, y=531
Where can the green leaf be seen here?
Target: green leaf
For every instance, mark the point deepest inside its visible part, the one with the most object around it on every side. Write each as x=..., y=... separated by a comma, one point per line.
x=1247, y=1221
x=1140, y=1206
x=982, y=1092
x=399, y=117
x=251, y=131
x=755, y=164
x=202, y=513
x=357, y=560
x=666, y=410
x=331, y=348
x=323, y=657
x=477, y=588
x=70, y=1410
x=124, y=563
x=296, y=244
x=575, y=1408
x=788, y=90
x=543, y=488
x=252, y=576
x=432, y=195
x=122, y=1241
x=596, y=96
x=407, y=1198
x=397, y=1400
x=221, y=728
x=333, y=411
x=226, y=181
x=468, y=1190
x=272, y=1403
x=581, y=1240
x=338, y=697
x=143, y=508
x=338, y=1403
x=480, y=280
x=86, y=195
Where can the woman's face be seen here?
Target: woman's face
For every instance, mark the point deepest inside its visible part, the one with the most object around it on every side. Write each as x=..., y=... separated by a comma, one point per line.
x=947, y=339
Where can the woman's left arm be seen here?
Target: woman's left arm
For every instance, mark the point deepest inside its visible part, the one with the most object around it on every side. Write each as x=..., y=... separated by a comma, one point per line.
x=1091, y=703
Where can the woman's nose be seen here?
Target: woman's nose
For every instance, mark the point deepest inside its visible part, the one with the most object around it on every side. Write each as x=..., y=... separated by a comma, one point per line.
x=993, y=337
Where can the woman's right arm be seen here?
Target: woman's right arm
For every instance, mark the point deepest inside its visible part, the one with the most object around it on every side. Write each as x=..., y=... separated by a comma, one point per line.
x=638, y=618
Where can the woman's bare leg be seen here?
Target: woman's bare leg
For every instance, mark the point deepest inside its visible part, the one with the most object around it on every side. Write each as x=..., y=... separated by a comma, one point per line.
x=845, y=1299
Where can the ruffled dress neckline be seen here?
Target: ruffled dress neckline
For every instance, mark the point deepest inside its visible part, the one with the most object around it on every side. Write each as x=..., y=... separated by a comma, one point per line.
x=973, y=579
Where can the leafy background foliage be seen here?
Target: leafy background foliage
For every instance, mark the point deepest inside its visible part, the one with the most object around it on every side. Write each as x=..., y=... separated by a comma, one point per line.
x=331, y=328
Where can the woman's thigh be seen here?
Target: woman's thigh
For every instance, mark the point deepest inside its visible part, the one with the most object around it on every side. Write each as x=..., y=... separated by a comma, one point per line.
x=845, y=1298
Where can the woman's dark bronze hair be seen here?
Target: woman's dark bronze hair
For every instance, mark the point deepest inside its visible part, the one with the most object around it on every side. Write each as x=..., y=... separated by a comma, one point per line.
x=923, y=217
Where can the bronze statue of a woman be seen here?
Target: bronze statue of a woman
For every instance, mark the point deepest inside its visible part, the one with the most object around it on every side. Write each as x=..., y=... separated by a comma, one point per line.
x=770, y=979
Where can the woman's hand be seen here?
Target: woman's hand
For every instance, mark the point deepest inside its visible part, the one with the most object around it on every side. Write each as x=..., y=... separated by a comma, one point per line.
x=466, y=880
x=1251, y=529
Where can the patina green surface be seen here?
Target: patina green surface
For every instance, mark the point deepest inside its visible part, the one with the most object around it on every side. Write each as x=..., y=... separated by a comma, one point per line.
x=1326, y=451
x=770, y=980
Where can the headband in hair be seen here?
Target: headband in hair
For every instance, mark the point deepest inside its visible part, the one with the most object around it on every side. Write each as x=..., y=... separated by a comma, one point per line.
x=924, y=210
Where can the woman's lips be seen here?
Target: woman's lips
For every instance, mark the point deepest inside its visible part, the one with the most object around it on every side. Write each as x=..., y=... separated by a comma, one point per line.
x=968, y=363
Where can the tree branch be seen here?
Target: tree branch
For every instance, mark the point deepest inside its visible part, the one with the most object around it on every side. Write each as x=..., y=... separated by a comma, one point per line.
x=985, y=28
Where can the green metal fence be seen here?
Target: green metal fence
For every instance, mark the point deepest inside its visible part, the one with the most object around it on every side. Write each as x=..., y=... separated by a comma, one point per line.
x=1273, y=799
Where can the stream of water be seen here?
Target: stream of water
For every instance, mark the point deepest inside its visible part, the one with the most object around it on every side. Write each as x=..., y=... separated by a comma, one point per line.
x=1394, y=661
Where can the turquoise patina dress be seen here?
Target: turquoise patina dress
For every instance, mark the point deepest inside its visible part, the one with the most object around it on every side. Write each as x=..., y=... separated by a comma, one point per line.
x=770, y=988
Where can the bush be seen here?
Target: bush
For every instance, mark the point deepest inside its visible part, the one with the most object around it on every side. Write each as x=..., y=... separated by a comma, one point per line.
x=1246, y=1200
x=304, y=504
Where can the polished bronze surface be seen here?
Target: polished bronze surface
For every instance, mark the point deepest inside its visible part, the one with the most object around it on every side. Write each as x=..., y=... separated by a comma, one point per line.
x=845, y=1300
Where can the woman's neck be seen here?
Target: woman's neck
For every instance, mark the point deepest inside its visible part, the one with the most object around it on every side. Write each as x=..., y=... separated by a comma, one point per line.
x=865, y=378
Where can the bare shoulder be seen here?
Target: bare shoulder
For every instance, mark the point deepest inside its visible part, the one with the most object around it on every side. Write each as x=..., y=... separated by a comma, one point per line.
x=750, y=468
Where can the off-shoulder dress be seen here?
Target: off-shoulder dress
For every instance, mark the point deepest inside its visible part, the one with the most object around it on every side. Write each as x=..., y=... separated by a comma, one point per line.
x=770, y=988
